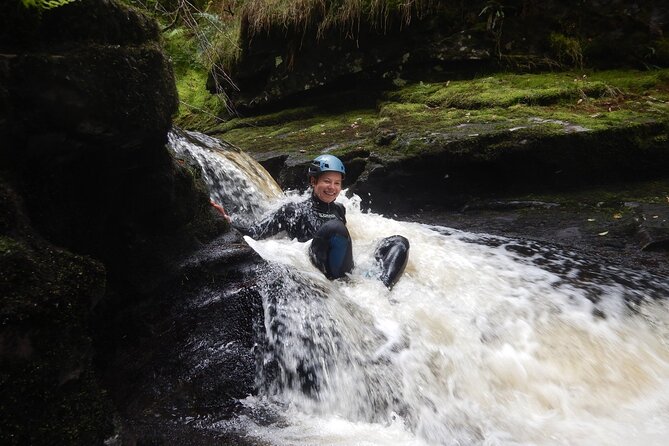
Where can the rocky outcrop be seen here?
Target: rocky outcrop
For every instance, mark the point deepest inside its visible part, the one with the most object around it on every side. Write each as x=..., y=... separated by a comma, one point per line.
x=95, y=213
x=87, y=107
x=460, y=168
x=195, y=355
x=49, y=391
x=448, y=41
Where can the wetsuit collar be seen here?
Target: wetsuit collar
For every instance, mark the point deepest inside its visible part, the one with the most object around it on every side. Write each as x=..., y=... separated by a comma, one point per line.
x=320, y=205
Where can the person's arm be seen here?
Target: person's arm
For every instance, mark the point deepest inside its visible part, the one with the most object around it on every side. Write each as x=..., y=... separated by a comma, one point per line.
x=221, y=210
x=267, y=227
x=342, y=211
x=273, y=224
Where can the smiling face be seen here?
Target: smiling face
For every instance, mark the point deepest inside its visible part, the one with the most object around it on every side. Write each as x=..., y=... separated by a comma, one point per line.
x=327, y=186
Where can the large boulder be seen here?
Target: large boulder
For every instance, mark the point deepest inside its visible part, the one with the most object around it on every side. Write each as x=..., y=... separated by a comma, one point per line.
x=49, y=393
x=95, y=212
x=87, y=98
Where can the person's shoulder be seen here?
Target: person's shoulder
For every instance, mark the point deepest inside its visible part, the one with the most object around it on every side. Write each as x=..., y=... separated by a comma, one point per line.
x=341, y=208
x=299, y=206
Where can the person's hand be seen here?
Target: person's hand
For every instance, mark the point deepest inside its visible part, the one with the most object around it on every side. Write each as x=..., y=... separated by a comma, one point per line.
x=221, y=210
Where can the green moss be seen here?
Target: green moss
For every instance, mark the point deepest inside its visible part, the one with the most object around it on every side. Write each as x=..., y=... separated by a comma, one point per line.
x=338, y=132
x=8, y=246
x=505, y=90
x=430, y=116
x=502, y=92
x=198, y=109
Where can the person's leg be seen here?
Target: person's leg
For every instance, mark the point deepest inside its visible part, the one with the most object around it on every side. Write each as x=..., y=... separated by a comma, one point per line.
x=331, y=250
x=392, y=253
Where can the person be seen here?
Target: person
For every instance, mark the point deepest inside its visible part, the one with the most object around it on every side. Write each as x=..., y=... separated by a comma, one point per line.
x=323, y=220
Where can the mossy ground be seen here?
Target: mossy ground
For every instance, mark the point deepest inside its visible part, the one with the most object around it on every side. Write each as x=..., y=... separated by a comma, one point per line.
x=406, y=121
x=304, y=132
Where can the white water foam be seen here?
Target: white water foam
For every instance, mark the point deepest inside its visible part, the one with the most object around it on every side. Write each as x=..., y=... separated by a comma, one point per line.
x=474, y=345
x=483, y=341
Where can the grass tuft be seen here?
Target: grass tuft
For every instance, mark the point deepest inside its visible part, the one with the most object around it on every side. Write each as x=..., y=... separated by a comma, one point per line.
x=345, y=15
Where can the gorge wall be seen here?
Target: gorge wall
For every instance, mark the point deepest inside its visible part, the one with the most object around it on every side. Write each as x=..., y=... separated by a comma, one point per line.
x=282, y=62
x=93, y=209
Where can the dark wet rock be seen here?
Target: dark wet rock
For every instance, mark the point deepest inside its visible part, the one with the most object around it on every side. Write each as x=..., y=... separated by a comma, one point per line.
x=190, y=355
x=385, y=137
x=284, y=62
x=96, y=215
x=590, y=222
x=274, y=164
x=571, y=234
x=95, y=22
x=653, y=230
x=508, y=204
x=49, y=393
x=87, y=105
x=455, y=170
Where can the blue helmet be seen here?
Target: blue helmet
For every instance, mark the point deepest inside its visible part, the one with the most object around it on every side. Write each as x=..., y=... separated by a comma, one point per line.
x=326, y=163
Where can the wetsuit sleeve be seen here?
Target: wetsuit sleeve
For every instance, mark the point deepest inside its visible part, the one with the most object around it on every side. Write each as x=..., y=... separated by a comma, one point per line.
x=269, y=226
x=341, y=210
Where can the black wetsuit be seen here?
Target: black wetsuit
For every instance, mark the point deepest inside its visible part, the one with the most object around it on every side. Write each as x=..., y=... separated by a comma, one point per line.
x=300, y=220
x=330, y=249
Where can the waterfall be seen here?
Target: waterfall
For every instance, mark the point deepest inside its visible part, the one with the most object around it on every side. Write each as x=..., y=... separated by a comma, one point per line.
x=234, y=178
x=484, y=341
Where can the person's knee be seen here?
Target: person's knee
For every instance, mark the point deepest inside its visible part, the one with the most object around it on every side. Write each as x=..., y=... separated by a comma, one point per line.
x=400, y=241
x=395, y=243
x=393, y=255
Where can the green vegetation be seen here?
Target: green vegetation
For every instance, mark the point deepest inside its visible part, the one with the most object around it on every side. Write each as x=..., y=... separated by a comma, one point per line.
x=45, y=4
x=204, y=36
x=422, y=116
x=200, y=37
x=304, y=131
x=197, y=107
x=568, y=49
x=343, y=15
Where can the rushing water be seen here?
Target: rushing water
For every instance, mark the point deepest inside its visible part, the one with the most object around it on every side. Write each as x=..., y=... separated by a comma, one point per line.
x=483, y=341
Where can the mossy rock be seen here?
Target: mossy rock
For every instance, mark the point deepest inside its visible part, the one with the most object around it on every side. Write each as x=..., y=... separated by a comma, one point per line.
x=50, y=394
x=534, y=130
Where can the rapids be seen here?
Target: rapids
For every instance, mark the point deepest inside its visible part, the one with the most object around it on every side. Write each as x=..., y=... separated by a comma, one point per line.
x=484, y=340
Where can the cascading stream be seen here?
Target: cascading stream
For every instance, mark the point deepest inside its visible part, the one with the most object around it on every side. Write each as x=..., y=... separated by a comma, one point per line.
x=234, y=178
x=484, y=340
